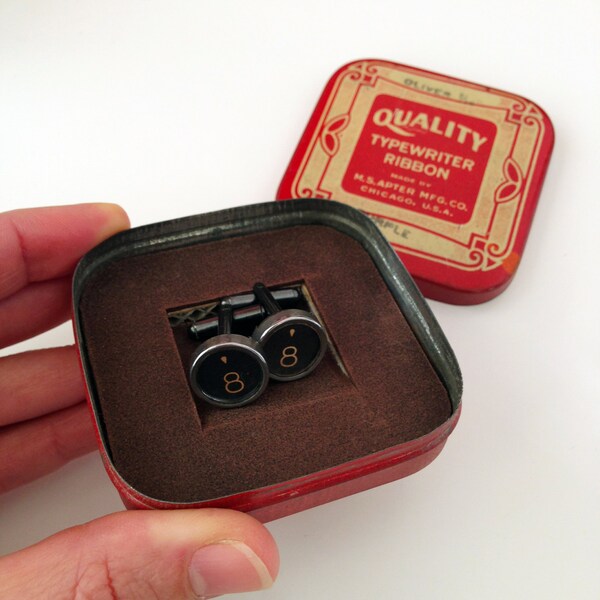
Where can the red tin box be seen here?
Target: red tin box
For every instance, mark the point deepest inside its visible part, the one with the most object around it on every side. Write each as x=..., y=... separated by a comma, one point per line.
x=380, y=406
x=449, y=170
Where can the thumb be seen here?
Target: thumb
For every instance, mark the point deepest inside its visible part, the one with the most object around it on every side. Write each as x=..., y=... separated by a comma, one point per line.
x=146, y=554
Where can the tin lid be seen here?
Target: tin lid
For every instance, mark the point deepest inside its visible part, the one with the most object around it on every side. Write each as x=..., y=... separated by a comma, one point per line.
x=450, y=171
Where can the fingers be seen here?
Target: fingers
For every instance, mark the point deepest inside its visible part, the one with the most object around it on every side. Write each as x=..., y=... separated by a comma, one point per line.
x=38, y=250
x=146, y=554
x=38, y=447
x=45, y=243
x=34, y=309
x=39, y=382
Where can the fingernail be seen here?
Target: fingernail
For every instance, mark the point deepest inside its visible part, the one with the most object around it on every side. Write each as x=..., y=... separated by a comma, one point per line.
x=226, y=568
x=116, y=219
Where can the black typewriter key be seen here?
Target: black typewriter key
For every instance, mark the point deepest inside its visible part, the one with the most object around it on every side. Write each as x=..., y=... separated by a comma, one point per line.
x=228, y=370
x=292, y=340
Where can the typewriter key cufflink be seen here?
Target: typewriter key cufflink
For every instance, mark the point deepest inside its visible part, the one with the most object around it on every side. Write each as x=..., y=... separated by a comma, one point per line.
x=228, y=370
x=293, y=341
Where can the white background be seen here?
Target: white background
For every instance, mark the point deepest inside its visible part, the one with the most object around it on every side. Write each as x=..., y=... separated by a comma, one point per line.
x=178, y=108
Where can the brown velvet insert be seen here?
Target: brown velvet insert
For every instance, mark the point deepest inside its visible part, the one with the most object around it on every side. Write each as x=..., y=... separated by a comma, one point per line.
x=158, y=441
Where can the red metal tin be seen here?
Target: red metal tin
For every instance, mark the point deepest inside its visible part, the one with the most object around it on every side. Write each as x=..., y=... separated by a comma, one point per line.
x=312, y=488
x=274, y=502
x=450, y=171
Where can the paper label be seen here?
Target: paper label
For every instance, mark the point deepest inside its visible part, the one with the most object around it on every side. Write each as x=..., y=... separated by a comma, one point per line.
x=444, y=167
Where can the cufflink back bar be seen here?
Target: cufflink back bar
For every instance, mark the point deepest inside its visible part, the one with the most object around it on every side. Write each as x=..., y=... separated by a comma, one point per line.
x=245, y=311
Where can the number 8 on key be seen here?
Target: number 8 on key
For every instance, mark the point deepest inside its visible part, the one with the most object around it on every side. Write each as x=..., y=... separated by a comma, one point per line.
x=228, y=370
x=292, y=340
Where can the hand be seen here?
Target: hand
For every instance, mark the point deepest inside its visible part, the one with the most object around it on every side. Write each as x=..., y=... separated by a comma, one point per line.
x=44, y=423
